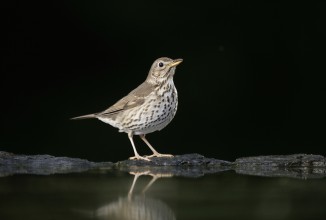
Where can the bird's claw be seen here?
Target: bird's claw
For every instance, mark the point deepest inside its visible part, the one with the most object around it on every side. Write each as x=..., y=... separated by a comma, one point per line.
x=139, y=158
x=159, y=155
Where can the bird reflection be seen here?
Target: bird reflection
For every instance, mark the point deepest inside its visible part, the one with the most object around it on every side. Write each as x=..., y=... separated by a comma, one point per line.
x=137, y=207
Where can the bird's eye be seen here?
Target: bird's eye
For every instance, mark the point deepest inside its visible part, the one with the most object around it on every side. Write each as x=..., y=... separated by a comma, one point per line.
x=160, y=64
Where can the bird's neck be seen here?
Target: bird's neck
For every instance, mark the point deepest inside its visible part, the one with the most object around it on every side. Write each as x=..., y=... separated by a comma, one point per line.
x=165, y=86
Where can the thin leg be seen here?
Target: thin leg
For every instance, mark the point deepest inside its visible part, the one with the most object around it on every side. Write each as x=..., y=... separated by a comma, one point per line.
x=136, y=176
x=147, y=173
x=133, y=185
x=137, y=156
x=155, y=153
x=150, y=183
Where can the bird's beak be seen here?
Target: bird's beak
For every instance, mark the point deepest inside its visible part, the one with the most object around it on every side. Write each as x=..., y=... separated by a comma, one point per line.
x=175, y=62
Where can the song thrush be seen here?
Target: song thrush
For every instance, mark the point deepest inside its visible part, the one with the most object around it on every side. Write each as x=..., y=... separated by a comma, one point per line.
x=148, y=108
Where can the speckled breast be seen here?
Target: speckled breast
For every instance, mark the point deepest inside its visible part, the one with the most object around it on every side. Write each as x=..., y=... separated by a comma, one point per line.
x=154, y=114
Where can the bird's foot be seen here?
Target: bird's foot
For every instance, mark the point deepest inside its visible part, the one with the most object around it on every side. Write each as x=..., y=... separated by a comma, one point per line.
x=159, y=155
x=139, y=158
x=140, y=173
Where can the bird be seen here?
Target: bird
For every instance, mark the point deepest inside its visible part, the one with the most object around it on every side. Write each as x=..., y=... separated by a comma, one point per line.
x=148, y=108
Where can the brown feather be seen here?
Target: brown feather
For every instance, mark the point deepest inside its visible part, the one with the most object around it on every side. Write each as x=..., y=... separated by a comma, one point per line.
x=135, y=98
x=84, y=117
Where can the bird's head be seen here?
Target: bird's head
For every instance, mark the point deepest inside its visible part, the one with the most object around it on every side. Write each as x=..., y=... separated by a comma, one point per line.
x=162, y=69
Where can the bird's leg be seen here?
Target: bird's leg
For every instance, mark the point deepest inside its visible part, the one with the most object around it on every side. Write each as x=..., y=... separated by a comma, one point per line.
x=132, y=186
x=137, y=156
x=155, y=153
x=155, y=177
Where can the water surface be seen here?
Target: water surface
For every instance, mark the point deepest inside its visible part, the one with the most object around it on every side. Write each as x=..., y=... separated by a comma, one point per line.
x=121, y=195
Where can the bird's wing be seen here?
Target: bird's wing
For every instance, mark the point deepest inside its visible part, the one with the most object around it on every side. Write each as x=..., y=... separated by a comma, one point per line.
x=133, y=99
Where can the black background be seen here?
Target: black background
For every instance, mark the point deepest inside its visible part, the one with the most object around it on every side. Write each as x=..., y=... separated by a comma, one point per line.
x=252, y=80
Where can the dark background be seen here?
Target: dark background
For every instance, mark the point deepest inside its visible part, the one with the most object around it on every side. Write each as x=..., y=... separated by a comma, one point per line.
x=252, y=80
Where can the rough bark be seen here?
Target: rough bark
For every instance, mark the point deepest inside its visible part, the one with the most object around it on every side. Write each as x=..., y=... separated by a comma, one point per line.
x=188, y=165
x=44, y=164
x=295, y=165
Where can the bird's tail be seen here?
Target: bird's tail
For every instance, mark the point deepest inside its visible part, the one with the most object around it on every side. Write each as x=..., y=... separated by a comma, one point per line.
x=84, y=117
